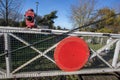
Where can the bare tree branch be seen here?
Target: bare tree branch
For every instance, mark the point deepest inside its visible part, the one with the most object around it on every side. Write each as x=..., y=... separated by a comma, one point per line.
x=81, y=13
x=10, y=10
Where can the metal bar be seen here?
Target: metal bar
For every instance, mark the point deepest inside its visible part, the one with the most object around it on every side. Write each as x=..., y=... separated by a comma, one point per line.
x=116, y=54
x=2, y=71
x=49, y=49
x=104, y=61
x=8, y=55
x=118, y=65
x=49, y=58
x=108, y=45
x=3, y=54
x=26, y=43
x=58, y=72
x=38, y=31
x=103, y=48
x=25, y=64
x=1, y=34
x=19, y=30
x=35, y=58
x=101, y=58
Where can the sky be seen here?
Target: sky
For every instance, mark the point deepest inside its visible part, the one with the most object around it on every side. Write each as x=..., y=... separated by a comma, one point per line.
x=63, y=7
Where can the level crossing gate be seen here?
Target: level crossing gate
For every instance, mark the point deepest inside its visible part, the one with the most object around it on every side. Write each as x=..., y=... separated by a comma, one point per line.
x=29, y=52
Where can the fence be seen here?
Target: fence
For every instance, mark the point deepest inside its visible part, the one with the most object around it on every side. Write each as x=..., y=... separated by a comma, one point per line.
x=29, y=52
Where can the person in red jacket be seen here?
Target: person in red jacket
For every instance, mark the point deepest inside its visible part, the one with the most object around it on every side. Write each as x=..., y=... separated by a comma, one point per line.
x=29, y=18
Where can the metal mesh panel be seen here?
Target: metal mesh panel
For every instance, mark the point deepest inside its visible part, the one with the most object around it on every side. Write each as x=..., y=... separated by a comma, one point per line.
x=23, y=50
x=2, y=57
x=31, y=54
x=20, y=56
x=25, y=47
x=94, y=43
x=41, y=64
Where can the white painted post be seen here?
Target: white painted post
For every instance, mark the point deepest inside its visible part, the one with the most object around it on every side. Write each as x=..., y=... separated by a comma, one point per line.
x=101, y=41
x=107, y=50
x=8, y=55
x=116, y=54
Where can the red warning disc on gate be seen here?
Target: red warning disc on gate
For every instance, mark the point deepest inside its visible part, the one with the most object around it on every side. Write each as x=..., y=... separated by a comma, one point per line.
x=71, y=54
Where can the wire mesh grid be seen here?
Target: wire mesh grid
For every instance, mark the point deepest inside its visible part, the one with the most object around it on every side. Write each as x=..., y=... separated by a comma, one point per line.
x=22, y=53
x=21, y=56
x=96, y=43
x=27, y=52
x=2, y=57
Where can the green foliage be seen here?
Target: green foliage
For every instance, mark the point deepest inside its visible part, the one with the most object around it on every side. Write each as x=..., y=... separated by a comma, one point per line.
x=22, y=24
x=2, y=22
x=48, y=20
x=59, y=28
x=106, y=13
x=117, y=21
x=111, y=25
x=11, y=23
x=105, y=30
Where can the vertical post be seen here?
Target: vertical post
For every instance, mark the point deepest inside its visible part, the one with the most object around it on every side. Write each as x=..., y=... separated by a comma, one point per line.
x=116, y=54
x=6, y=14
x=37, y=3
x=101, y=41
x=7, y=51
x=109, y=40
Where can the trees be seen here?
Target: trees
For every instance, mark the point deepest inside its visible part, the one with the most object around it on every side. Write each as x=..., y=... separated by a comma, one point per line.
x=111, y=25
x=106, y=13
x=22, y=23
x=81, y=14
x=85, y=13
x=48, y=20
x=9, y=10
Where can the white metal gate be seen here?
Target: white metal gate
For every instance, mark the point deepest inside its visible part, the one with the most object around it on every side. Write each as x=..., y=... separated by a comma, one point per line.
x=29, y=52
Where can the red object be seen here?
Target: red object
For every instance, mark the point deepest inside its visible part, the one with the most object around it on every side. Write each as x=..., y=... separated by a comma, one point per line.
x=71, y=54
x=29, y=16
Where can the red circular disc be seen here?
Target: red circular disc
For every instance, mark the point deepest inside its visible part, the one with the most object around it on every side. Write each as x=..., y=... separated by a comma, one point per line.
x=71, y=54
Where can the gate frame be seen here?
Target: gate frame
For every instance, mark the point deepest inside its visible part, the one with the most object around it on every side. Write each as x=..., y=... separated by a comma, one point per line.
x=10, y=73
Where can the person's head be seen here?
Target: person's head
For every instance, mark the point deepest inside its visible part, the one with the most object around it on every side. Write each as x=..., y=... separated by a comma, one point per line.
x=31, y=10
